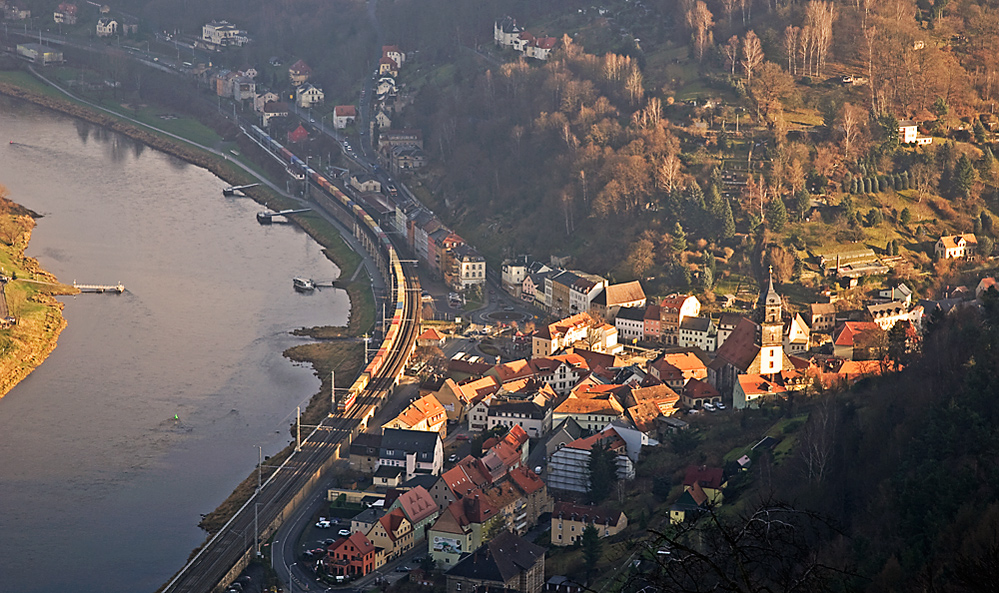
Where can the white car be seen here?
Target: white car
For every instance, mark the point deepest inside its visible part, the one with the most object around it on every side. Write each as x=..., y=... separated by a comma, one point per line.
x=720, y=406
x=344, y=533
x=710, y=407
x=323, y=523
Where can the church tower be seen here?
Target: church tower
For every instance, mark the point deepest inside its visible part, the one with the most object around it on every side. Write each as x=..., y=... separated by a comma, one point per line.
x=771, y=331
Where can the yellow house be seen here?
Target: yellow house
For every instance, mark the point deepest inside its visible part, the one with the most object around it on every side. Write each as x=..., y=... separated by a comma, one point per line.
x=569, y=520
x=710, y=479
x=393, y=533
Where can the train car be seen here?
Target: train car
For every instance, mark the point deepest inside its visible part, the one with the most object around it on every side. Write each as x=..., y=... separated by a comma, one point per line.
x=375, y=237
x=345, y=401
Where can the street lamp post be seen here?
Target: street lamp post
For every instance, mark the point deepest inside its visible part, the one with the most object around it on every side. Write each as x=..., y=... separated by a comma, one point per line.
x=260, y=464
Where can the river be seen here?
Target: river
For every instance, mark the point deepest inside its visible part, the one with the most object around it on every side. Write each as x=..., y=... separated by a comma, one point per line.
x=151, y=407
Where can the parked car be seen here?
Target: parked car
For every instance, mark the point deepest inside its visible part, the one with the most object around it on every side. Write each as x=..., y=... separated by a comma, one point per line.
x=710, y=407
x=452, y=458
x=720, y=405
x=462, y=437
x=344, y=533
x=403, y=569
x=323, y=523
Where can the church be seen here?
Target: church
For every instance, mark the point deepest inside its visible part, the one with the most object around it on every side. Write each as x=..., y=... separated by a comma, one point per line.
x=753, y=356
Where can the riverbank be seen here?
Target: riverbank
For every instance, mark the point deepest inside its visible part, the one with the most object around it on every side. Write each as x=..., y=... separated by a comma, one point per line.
x=345, y=358
x=30, y=299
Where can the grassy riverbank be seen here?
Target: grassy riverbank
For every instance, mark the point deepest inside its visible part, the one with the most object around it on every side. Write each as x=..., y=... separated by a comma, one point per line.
x=346, y=358
x=30, y=299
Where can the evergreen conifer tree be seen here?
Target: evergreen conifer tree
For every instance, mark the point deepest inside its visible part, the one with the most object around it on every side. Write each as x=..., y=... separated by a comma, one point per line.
x=964, y=177
x=776, y=214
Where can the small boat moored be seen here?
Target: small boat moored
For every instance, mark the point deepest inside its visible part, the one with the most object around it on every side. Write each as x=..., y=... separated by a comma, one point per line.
x=303, y=284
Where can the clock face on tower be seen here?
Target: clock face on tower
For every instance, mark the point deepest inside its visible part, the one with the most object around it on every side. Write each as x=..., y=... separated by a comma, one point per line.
x=771, y=334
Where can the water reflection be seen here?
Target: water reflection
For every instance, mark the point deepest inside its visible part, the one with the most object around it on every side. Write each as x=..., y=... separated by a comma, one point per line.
x=149, y=410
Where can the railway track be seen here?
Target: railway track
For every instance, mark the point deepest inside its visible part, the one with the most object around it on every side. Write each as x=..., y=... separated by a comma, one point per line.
x=300, y=474
x=297, y=476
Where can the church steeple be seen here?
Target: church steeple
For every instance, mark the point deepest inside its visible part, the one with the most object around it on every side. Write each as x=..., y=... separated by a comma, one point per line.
x=772, y=328
x=771, y=301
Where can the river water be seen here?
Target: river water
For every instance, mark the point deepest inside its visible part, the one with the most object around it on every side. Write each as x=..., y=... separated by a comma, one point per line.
x=151, y=408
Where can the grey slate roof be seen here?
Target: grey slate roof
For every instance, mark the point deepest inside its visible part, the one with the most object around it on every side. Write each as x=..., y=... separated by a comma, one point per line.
x=400, y=442
x=500, y=560
x=700, y=324
x=426, y=480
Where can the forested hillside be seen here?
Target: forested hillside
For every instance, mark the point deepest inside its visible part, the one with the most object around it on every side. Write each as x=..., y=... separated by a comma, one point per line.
x=891, y=487
x=596, y=153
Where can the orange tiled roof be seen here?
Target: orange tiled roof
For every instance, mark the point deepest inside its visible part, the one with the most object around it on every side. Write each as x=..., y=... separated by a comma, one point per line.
x=424, y=409
x=574, y=405
x=951, y=241
x=757, y=385
x=526, y=480
x=430, y=334
x=515, y=369
x=850, y=330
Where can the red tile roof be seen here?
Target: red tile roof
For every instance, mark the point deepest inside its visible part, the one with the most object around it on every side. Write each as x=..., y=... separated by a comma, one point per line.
x=740, y=347
x=695, y=389
x=418, y=504
x=846, y=335
x=345, y=111
x=708, y=477
x=526, y=480
x=430, y=334
x=608, y=437
x=298, y=134
x=300, y=67
x=391, y=521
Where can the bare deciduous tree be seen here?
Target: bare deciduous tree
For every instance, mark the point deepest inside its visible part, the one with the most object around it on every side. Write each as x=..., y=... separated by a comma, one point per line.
x=668, y=173
x=731, y=52
x=701, y=20
x=770, y=548
x=634, y=85
x=820, y=16
x=791, y=34
x=752, y=54
x=850, y=120
x=818, y=439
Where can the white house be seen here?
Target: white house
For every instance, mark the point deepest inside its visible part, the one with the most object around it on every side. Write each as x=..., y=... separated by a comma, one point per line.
x=220, y=34
x=956, y=246
x=263, y=99
x=416, y=451
x=308, y=95
x=630, y=324
x=908, y=133
x=106, y=27
x=796, y=335
x=697, y=332
x=343, y=116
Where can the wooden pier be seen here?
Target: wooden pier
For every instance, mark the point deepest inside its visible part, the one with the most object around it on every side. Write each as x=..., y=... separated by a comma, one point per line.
x=100, y=288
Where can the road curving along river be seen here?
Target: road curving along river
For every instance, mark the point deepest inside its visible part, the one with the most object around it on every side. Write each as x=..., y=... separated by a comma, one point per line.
x=151, y=407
